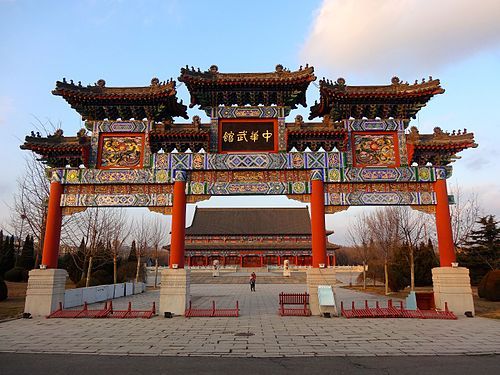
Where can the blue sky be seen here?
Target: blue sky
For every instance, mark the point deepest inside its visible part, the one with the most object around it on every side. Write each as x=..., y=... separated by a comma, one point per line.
x=129, y=42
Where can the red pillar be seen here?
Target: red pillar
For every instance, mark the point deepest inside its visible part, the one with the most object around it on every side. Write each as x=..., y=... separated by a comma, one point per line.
x=443, y=225
x=318, y=220
x=279, y=260
x=241, y=261
x=328, y=261
x=178, y=221
x=296, y=260
x=53, y=226
x=262, y=261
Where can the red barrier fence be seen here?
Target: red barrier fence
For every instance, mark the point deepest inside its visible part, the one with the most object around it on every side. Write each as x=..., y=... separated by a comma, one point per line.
x=213, y=312
x=294, y=299
x=392, y=312
x=106, y=312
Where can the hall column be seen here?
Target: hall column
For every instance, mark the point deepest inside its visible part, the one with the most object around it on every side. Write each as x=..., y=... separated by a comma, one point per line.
x=178, y=220
x=318, y=276
x=176, y=281
x=318, y=219
x=451, y=284
x=443, y=225
x=46, y=286
x=53, y=227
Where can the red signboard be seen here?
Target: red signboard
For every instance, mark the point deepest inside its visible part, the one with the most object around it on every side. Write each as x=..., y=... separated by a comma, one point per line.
x=248, y=135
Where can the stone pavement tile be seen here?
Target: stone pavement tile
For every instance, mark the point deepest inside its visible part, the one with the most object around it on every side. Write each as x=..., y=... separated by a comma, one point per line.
x=272, y=335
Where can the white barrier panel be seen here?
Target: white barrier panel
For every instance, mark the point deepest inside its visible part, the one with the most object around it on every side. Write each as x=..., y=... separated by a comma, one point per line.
x=89, y=294
x=100, y=293
x=129, y=289
x=110, y=291
x=73, y=297
x=119, y=290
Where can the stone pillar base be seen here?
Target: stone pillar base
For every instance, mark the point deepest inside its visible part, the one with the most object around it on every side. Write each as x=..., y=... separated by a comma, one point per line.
x=174, y=291
x=45, y=291
x=287, y=272
x=452, y=285
x=315, y=277
x=216, y=273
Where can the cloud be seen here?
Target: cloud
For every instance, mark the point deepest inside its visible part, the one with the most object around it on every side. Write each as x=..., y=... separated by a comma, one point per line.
x=384, y=37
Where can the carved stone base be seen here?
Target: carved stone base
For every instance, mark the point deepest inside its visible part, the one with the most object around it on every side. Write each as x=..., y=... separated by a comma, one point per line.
x=287, y=272
x=315, y=277
x=45, y=291
x=452, y=285
x=174, y=291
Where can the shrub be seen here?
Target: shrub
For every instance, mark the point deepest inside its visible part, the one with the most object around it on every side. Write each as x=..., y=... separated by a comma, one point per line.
x=103, y=277
x=127, y=271
x=3, y=290
x=16, y=274
x=489, y=287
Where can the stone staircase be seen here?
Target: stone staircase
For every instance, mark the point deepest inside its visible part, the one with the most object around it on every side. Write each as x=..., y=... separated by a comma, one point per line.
x=238, y=278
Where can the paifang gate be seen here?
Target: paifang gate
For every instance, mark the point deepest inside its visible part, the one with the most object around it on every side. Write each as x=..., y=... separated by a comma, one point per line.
x=362, y=152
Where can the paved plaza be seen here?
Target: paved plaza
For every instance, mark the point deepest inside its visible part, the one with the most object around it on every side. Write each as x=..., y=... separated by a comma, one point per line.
x=258, y=332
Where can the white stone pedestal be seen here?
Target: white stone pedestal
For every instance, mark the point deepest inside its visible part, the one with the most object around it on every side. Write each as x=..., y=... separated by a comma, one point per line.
x=174, y=291
x=287, y=272
x=215, y=273
x=45, y=291
x=452, y=285
x=315, y=277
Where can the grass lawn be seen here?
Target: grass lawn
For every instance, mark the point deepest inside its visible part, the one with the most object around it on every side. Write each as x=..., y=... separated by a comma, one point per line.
x=13, y=306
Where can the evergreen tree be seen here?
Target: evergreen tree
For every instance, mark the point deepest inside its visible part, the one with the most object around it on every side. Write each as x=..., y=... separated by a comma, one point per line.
x=425, y=261
x=26, y=260
x=482, y=250
x=399, y=269
x=132, y=257
x=8, y=258
x=73, y=263
x=1, y=244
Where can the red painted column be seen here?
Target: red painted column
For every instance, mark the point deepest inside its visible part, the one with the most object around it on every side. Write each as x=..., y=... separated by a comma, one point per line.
x=296, y=260
x=328, y=260
x=279, y=260
x=318, y=220
x=53, y=226
x=241, y=261
x=262, y=261
x=443, y=225
x=178, y=220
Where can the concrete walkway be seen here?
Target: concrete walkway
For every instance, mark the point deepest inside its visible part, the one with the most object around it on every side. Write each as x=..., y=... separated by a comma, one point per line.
x=258, y=332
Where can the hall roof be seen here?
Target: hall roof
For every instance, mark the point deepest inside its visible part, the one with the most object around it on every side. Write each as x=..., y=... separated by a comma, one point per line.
x=155, y=102
x=250, y=221
x=398, y=100
x=281, y=87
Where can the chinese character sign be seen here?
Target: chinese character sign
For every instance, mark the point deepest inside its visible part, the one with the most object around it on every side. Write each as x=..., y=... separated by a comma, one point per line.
x=251, y=135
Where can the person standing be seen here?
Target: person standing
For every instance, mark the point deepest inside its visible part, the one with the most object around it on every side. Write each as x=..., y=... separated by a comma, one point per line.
x=253, y=279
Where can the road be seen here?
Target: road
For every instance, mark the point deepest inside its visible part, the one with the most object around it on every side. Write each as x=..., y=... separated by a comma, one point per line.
x=55, y=364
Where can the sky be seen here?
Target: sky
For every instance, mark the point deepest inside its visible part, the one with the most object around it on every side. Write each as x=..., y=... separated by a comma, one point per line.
x=364, y=41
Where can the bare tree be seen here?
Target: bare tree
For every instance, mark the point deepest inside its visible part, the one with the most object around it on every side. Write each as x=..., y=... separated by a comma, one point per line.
x=383, y=226
x=29, y=209
x=464, y=215
x=359, y=237
x=412, y=230
x=158, y=237
x=120, y=231
x=142, y=234
x=94, y=226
